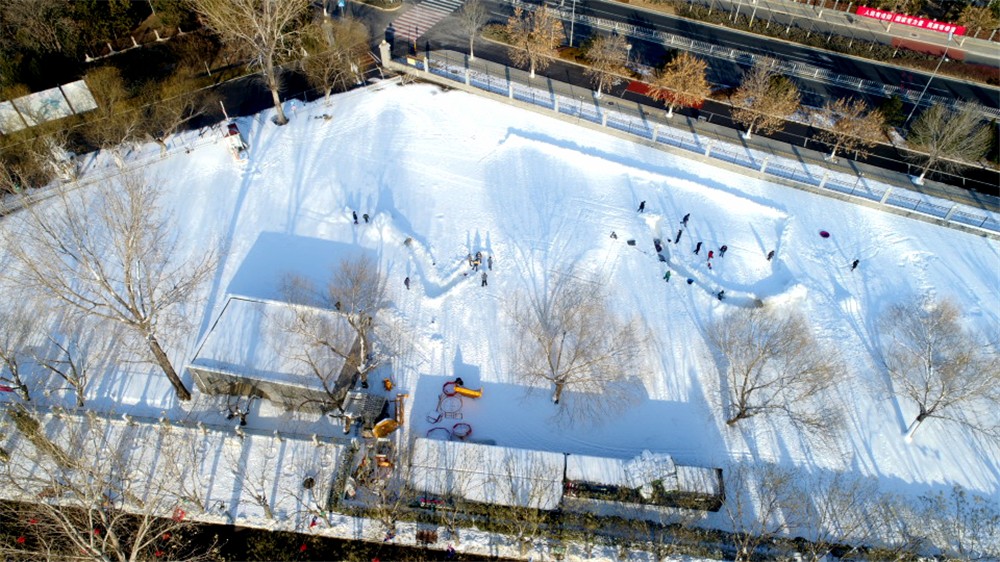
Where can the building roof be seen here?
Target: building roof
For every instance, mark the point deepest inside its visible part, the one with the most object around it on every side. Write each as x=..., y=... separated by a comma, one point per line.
x=488, y=474
x=271, y=341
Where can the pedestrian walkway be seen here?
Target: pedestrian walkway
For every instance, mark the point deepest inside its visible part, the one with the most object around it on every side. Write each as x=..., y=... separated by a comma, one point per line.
x=425, y=15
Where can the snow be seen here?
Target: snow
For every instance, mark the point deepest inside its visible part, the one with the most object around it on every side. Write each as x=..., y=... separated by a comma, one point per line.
x=446, y=174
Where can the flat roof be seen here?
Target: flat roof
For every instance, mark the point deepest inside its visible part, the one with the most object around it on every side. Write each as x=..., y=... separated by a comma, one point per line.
x=488, y=474
x=273, y=341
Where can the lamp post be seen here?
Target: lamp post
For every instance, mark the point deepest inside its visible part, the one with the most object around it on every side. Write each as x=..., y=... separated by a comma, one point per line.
x=572, y=24
x=628, y=54
x=944, y=57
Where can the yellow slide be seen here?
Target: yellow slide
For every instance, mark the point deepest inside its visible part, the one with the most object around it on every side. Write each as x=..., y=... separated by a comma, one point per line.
x=468, y=391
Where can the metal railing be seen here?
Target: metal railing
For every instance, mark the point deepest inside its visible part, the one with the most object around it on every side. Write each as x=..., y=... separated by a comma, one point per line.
x=632, y=119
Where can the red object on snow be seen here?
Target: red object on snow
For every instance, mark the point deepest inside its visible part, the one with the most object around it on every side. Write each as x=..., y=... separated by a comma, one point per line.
x=824, y=234
x=5, y=388
x=448, y=388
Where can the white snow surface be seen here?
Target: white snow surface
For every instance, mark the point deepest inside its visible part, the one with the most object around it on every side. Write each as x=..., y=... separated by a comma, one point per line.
x=454, y=174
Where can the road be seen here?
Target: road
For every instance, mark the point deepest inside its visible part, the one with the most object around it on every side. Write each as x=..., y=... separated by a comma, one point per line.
x=448, y=34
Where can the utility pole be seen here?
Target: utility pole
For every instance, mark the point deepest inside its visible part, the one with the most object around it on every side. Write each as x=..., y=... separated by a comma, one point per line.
x=929, y=80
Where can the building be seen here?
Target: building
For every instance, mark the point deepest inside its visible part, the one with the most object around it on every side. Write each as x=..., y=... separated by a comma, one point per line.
x=279, y=351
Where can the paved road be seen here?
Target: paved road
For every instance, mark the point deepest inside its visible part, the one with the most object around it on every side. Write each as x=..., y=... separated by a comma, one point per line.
x=756, y=44
x=449, y=35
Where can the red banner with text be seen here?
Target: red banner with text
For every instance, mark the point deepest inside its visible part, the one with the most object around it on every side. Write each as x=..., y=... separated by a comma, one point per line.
x=914, y=21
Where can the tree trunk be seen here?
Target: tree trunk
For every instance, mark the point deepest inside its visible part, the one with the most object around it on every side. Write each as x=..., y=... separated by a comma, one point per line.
x=670, y=111
x=913, y=426
x=168, y=369
x=472, y=52
x=280, y=119
x=749, y=132
x=558, y=392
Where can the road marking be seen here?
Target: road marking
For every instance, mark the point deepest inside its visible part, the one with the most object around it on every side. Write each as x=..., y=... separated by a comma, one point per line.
x=422, y=17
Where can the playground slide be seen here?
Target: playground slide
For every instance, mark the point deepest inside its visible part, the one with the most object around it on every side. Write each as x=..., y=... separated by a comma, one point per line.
x=468, y=391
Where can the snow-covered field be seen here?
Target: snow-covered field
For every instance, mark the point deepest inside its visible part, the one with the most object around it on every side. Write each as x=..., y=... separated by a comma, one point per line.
x=458, y=174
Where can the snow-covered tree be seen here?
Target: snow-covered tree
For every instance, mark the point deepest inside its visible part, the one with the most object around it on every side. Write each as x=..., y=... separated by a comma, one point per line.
x=108, y=252
x=962, y=525
x=949, y=372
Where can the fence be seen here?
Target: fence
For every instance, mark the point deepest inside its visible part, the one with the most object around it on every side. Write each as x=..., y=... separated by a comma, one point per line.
x=616, y=114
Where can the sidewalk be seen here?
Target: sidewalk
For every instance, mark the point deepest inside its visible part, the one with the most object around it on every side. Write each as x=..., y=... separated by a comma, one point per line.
x=761, y=157
x=859, y=26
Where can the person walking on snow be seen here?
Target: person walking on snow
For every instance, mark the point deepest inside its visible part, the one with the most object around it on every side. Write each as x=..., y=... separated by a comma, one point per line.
x=711, y=255
x=684, y=220
x=679, y=232
x=355, y=213
x=722, y=250
x=489, y=263
x=407, y=283
x=721, y=295
x=770, y=255
x=484, y=280
x=365, y=216
x=642, y=207
x=666, y=276
x=855, y=265
x=697, y=247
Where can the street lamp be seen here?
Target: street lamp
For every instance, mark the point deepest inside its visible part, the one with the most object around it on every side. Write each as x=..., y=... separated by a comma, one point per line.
x=628, y=54
x=572, y=23
x=944, y=57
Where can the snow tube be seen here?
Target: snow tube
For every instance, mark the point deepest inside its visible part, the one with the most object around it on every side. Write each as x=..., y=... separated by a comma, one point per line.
x=824, y=234
x=461, y=430
x=439, y=433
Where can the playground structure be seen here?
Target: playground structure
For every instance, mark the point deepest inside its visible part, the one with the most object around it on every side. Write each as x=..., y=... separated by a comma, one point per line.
x=385, y=427
x=449, y=406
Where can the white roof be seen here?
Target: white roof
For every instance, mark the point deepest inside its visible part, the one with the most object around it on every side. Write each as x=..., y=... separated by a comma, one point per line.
x=698, y=480
x=267, y=340
x=597, y=470
x=488, y=474
x=208, y=473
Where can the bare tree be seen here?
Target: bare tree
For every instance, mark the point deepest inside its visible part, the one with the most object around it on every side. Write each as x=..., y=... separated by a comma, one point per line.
x=947, y=371
x=338, y=53
x=950, y=138
x=266, y=32
x=357, y=291
x=176, y=101
x=681, y=83
x=104, y=505
x=471, y=17
x=759, y=500
x=897, y=526
x=571, y=339
x=534, y=37
x=979, y=18
x=117, y=121
x=771, y=363
x=16, y=331
x=835, y=509
x=109, y=253
x=765, y=99
x=962, y=525
x=74, y=351
x=607, y=55
x=851, y=126
x=522, y=476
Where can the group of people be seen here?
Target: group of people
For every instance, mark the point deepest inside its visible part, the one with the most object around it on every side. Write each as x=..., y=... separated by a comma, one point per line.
x=355, y=215
x=474, y=262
